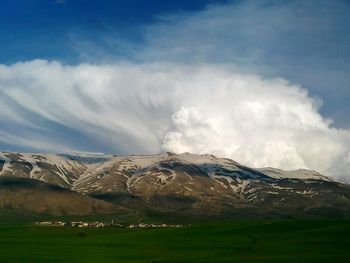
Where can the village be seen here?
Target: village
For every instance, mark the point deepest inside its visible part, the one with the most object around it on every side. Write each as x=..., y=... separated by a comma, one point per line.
x=99, y=224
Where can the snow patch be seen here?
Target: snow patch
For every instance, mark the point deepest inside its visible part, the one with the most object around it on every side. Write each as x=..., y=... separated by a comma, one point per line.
x=189, y=189
x=6, y=166
x=303, y=174
x=30, y=159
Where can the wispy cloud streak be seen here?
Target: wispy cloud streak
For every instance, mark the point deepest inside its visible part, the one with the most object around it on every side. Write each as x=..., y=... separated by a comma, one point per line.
x=148, y=108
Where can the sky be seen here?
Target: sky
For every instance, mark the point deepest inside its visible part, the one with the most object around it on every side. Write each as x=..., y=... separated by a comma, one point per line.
x=265, y=83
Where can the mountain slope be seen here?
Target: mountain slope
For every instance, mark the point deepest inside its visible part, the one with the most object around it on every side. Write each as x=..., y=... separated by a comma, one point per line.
x=33, y=196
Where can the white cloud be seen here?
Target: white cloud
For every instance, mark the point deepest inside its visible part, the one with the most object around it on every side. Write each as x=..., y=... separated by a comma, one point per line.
x=148, y=108
x=303, y=41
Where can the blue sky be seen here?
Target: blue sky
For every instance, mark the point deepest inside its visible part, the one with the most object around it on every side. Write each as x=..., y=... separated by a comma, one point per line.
x=46, y=29
x=201, y=76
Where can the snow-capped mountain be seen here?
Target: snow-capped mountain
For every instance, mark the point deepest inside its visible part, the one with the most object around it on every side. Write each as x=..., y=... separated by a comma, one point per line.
x=184, y=183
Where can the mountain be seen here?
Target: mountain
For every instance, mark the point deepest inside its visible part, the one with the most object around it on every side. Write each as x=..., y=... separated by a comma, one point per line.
x=187, y=184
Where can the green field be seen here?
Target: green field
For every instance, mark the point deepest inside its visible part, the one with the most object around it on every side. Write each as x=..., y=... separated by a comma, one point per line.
x=280, y=241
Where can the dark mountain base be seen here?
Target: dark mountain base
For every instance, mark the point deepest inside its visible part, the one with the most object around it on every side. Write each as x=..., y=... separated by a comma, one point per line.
x=25, y=196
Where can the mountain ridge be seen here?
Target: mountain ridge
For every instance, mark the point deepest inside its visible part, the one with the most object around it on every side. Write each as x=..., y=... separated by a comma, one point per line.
x=182, y=183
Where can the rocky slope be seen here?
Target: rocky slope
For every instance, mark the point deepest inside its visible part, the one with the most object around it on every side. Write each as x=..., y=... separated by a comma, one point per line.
x=185, y=183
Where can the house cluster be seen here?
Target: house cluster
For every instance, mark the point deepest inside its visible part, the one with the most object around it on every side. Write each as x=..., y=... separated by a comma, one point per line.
x=143, y=225
x=97, y=224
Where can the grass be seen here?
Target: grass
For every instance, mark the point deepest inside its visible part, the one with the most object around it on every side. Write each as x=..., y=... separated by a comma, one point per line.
x=237, y=241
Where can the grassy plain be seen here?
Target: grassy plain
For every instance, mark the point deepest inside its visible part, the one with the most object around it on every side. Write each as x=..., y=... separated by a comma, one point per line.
x=270, y=241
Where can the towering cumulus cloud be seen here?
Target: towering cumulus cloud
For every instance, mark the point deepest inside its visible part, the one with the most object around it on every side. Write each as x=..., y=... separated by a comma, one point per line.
x=148, y=108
